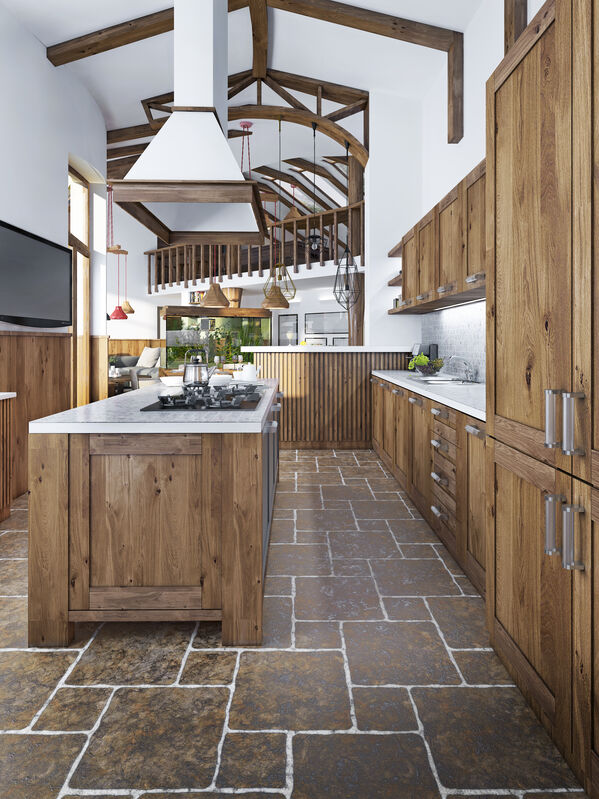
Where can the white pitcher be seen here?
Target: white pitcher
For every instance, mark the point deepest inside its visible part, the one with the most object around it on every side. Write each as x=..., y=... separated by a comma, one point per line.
x=249, y=372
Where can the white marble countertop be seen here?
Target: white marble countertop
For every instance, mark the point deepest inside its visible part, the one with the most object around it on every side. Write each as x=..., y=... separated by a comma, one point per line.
x=122, y=414
x=311, y=349
x=468, y=398
x=7, y=394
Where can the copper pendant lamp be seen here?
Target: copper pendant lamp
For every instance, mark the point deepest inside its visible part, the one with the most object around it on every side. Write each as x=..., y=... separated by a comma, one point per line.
x=275, y=295
x=214, y=297
x=274, y=299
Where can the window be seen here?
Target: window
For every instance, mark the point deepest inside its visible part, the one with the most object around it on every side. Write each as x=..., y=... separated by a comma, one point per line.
x=78, y=189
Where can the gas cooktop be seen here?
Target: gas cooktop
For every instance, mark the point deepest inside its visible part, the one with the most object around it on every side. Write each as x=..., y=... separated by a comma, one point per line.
x=234, y=396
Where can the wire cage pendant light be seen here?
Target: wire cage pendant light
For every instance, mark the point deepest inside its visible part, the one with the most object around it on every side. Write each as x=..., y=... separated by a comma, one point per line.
x=347, y=287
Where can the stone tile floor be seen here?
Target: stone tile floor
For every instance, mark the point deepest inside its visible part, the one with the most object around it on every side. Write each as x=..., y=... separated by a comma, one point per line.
x=375, y=679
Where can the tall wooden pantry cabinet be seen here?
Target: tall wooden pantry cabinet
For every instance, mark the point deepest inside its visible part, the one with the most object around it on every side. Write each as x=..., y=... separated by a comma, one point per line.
x=542, y=564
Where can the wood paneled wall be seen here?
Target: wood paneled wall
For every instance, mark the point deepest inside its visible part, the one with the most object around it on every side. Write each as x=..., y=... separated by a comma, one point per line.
x=132, y=346
x=38, y=367
x=98, y=389
x=6, y=425
x=327, y=395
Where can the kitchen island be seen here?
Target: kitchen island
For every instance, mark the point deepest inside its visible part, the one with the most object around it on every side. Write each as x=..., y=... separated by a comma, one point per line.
x=150, y=516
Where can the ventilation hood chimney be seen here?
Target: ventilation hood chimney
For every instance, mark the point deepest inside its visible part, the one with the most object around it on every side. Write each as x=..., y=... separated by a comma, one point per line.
x=186, y=186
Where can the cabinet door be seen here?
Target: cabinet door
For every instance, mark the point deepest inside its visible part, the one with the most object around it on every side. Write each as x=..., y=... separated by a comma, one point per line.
x=452, y=243
x=409, y=268
x=539, y=263
x=474, y=510
x=529, y=600
x=421, y=452
x=402, y=436
x=377, y=414
x=389, y=423
x=427, y=257
x=474, y=191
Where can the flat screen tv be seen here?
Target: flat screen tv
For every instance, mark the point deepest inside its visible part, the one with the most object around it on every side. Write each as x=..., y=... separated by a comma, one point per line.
x=35, y=280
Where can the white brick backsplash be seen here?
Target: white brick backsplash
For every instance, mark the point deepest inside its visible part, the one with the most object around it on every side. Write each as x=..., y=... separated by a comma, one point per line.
x=459, y=331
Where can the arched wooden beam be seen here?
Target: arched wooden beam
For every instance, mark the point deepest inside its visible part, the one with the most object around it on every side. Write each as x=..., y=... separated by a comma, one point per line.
x=306, y=118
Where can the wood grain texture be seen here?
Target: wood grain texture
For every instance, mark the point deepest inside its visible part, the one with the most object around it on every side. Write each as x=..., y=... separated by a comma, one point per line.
x=132, y=346
x=155, y=444
x=515, y=21
x=140, y=598
x=48, y=594
x=37, y=367
x=6, y=438
x=452, y=242
x=98, y=388
x=326, y=400
x=428, y=256
x=139, y=615
x=79, y=522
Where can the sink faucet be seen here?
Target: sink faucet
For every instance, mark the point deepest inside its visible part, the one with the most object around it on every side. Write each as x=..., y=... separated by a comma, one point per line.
x=461, y=366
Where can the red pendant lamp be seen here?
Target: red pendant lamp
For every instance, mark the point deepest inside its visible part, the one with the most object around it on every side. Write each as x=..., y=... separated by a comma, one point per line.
x=115, y=249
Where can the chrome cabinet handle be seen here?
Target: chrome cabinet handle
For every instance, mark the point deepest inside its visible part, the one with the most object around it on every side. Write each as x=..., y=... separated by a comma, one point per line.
x=439, y=413
x=280, y=395
x=415, y=401
x=552, y=503
x=551, y=397
x=446, y=288
x=475, y=278
x=439, y=513
x=421, y=296
x=474, y=431
x=372, y=380
x=398, y=392
x=272, y=425
x=568, y=422
x=568, y=538
x=439, y=445
x=442, y=481
x=276, y=407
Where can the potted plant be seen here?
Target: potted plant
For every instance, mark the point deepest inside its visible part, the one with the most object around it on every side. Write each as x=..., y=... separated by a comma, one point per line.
x=423, y=364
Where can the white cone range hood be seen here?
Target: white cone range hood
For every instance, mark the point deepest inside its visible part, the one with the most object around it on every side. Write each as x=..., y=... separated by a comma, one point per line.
x=186, y=186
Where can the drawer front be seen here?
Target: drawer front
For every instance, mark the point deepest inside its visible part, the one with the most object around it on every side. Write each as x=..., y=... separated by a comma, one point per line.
x=448, y=502
x=442, y=445
x=444, y=515
x=445, y=474
x=443, y=414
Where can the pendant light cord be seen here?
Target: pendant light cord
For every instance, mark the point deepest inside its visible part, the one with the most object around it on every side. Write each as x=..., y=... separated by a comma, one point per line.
x=110, y=217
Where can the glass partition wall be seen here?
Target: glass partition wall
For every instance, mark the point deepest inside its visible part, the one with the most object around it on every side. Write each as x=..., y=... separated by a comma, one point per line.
x=217, y=335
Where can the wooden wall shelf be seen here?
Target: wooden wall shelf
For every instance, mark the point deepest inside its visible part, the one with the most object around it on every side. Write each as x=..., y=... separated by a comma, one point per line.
x=396, y=281
x=472, y=295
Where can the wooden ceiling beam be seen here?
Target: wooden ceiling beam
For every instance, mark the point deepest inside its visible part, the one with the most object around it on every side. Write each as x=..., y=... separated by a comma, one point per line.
x=121, y=152
x=259, y=18
x=286, y=198
x=347, y=111
x=306, y=118
x=336, y=92
x=455, y=90
x=307, y=166
x=275, y=174
x=284, y=94
x=516, y=20
x=133, y=132
x=118, y=168
x=244, y=83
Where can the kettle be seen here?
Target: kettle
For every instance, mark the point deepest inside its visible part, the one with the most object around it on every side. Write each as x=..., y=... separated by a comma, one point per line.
x=195, y=371
x=249, y=372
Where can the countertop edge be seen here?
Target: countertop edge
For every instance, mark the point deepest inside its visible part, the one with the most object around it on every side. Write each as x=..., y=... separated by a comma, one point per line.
x=311, y=350
x=416, y=388
x=4, y=395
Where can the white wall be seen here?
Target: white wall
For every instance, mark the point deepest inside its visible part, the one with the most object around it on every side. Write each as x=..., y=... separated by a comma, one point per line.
x=393, y=189
x=49, y=118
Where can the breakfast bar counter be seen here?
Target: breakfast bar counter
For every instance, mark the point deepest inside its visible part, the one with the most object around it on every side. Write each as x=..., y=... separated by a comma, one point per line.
x=151, y=516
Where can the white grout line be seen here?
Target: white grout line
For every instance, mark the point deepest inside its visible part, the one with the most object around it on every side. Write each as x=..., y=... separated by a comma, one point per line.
x=186, y=654
x=442, y=637
x=352, y=708
x=219, y=749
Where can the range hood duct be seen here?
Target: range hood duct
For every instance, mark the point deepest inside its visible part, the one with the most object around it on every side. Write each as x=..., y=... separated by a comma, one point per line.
x=186, y=186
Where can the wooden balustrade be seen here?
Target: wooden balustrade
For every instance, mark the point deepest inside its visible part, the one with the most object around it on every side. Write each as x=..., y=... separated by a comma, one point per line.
x=190, y=264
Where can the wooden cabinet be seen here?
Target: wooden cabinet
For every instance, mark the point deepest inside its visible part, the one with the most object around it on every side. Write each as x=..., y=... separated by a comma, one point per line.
x=419, y=422
x=473, y=470
x=378, y=412
x=452, y=243
x=538, y=191
x=388, y=422
x=409, y=268
x=428, y=257
x=474, y=188
x=402, y=466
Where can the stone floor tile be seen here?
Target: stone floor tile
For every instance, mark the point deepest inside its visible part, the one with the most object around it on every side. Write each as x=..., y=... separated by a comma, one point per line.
x=155, y=738
x=418, y=551
x=277, y=621
x=27, y=680
x=384, y=709
x=347, y=567
x=286, y=485
x=569, y=795
x=359, y=766
x=397, y=653
x=413, y=578
x=346, y=492
x=311, y=537
x=13, y=622
x=18, y=520
x=13, y=544
x=299, y=559
x=495, y=796
x=252, y=760
x=201, y=795
x=336, y=504
x=462, y=621
x=13, y=578
x=310, y=500
x=373, y=525
x=290, y=690
x=279, y=514
x=36, y=766
x=310, y=480
x=382, y=483
x=466, y=586
x=380, y=509
x=482, y=668
x=317, y=635
x=208, y=636
x=451, y=564
x=73, y=709
x=331, y=598
x=277, y=586
x=496, y=725
x=325, y=520
x=20, y=503
x=367, y=471
x=282, y=531
x=412, y=531
x=134, y=654
x=209, y=668
x=359, y=545
x=406, y=608
x=340, y=459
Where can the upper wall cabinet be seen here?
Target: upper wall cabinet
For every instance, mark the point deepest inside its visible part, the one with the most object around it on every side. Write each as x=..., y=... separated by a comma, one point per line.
x=443, y=256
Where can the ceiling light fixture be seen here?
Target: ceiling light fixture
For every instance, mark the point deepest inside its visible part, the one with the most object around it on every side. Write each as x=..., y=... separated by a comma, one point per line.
x=114, y=249
x=274, y=296
x=214, y=297
x=347, y=287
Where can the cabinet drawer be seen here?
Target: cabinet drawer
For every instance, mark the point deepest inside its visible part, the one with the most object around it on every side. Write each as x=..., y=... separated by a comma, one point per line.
x=444, y=470
x=442, y=445
x=445, y=431
x=443, y=414
x=438, y=494
x=443, y=513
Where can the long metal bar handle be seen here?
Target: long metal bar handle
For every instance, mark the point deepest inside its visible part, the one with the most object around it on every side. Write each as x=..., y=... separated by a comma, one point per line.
x=474, y=431
x=415, y=401
x=439, y=413
x=568, y=538
x=442, y=481
x=551, y=398
x=439, y=445
x=552, y=503
x=568, y=422
x=438, y=513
